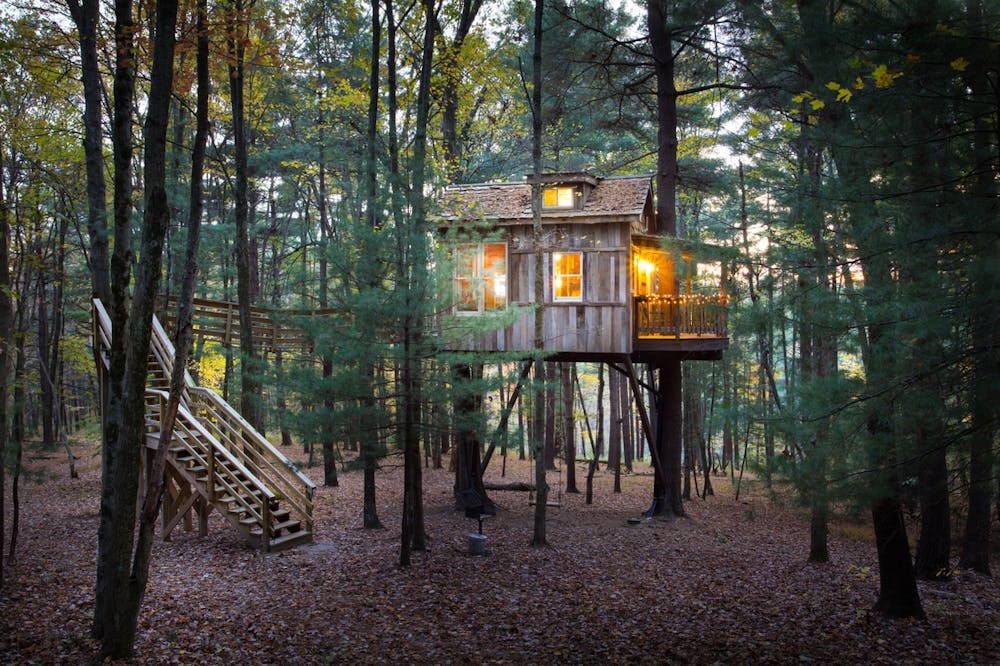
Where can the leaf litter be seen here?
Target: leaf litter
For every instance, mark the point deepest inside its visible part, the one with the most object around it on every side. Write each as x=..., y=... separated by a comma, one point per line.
x=729, y=583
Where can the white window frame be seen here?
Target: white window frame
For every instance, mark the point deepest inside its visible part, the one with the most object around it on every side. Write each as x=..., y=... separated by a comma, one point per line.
x=556, y=276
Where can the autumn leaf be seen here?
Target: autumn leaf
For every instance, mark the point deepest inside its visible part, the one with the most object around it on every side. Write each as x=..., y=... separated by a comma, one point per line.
x=883, y=77
x=959, y=64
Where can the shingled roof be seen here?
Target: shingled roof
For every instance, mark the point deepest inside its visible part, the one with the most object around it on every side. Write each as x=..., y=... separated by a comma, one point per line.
x=511, y=202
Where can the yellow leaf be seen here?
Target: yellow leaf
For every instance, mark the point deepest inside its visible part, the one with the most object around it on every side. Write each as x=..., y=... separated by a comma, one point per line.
x=859, y=84
x=833, y=85
x=959, y=64
x=817, y=104
x=844, y=95
x=802, y=96
x=753, y=132
x=883, y=77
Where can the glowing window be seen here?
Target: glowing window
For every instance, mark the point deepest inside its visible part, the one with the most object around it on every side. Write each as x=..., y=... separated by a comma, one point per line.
x=567, y=276
x=481, y=277
x=559, y=197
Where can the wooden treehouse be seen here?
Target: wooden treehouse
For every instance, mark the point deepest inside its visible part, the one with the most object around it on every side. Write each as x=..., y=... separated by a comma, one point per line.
x=613, y=289
x=216, y=460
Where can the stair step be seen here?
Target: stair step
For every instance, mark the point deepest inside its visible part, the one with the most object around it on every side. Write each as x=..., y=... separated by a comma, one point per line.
x=288, y=525
x=291, y=527
x=290, y=540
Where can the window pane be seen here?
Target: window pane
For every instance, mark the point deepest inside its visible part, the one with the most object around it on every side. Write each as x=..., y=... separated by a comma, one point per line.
x=466, y=263
x=559, y=197
x=567, y=275
x=494, y=276
x=566, y=197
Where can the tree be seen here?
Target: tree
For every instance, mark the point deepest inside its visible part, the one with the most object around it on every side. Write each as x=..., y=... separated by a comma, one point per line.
x=122, y=582
x=538, y=538
x=86, y=16
x=6, y=338
x=250, y=371
x=412, y=260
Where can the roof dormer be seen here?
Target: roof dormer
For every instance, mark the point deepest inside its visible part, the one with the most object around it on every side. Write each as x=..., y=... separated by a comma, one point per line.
x=565, y=191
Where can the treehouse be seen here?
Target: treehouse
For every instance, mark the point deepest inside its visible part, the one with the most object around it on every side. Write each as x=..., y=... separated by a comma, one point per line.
x=612, y=286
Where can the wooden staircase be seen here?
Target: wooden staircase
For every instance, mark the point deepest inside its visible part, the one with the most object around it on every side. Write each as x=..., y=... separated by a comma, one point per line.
x=216, y=460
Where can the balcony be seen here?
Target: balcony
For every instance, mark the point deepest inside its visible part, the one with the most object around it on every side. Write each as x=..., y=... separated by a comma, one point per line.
x=680, y=316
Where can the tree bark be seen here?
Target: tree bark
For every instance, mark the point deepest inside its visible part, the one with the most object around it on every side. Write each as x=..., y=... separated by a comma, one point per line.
x=468, y=410
x=6, y=338
x=615, y=410
x=569, y=431
x=86, y=14
x=538, y=537
x=986, y=364
x=667, y=496
x=119, y=462
x=412, y=267
x=118, y=638
x=250, y=383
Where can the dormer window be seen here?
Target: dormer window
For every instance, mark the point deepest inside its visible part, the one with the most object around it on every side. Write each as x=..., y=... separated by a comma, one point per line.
x=559, y=197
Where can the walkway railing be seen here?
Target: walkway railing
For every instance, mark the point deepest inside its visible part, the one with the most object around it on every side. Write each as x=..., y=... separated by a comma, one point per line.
x=681, y=315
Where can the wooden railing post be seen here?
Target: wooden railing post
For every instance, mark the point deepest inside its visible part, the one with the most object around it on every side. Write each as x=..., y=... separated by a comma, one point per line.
x=211, y=474
x=265, y=524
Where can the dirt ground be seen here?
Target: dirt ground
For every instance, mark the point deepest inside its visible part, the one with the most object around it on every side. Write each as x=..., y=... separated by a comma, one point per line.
x=727, y=584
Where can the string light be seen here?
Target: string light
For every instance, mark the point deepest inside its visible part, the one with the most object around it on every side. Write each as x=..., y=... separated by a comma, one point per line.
x=685, y=299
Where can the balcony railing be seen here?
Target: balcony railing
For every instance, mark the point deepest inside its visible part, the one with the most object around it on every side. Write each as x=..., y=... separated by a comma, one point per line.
x=681, y=315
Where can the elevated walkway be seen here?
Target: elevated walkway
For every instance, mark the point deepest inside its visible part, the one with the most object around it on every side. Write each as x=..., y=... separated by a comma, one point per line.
x=216, y=460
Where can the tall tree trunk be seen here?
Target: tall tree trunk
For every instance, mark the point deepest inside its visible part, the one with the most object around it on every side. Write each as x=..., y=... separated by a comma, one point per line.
x=667, y=493
x=468, y=413
x=118, y=638
x=538, y=537
x=6, y=338
x=250, y=382
x=158, y=211
x=413, y=257
x=368, y=278
x=119, y=465
x=986, y=363
x=569, y=437
x=86, y=15
x=898, y=596
x=667, y=496
x=616, y=415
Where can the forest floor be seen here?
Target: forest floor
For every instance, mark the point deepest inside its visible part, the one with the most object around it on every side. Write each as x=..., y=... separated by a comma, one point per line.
x=727, y=584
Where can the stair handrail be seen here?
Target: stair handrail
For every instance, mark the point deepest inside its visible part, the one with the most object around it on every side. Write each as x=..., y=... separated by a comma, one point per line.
x=206, y=450
x=264, y=460
x=228, y=430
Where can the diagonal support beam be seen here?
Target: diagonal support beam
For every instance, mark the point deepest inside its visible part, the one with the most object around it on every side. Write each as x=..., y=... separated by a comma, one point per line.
x=505, y=417
x=633, y=381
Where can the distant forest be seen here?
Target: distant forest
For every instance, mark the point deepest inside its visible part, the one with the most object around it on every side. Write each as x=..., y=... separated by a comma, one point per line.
x=837, y=160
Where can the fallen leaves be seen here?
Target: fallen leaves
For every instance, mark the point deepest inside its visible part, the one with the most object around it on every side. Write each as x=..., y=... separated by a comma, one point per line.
x=727, y=584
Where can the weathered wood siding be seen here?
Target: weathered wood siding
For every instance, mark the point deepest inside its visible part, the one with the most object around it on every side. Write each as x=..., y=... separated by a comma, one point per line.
x=601, y=322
